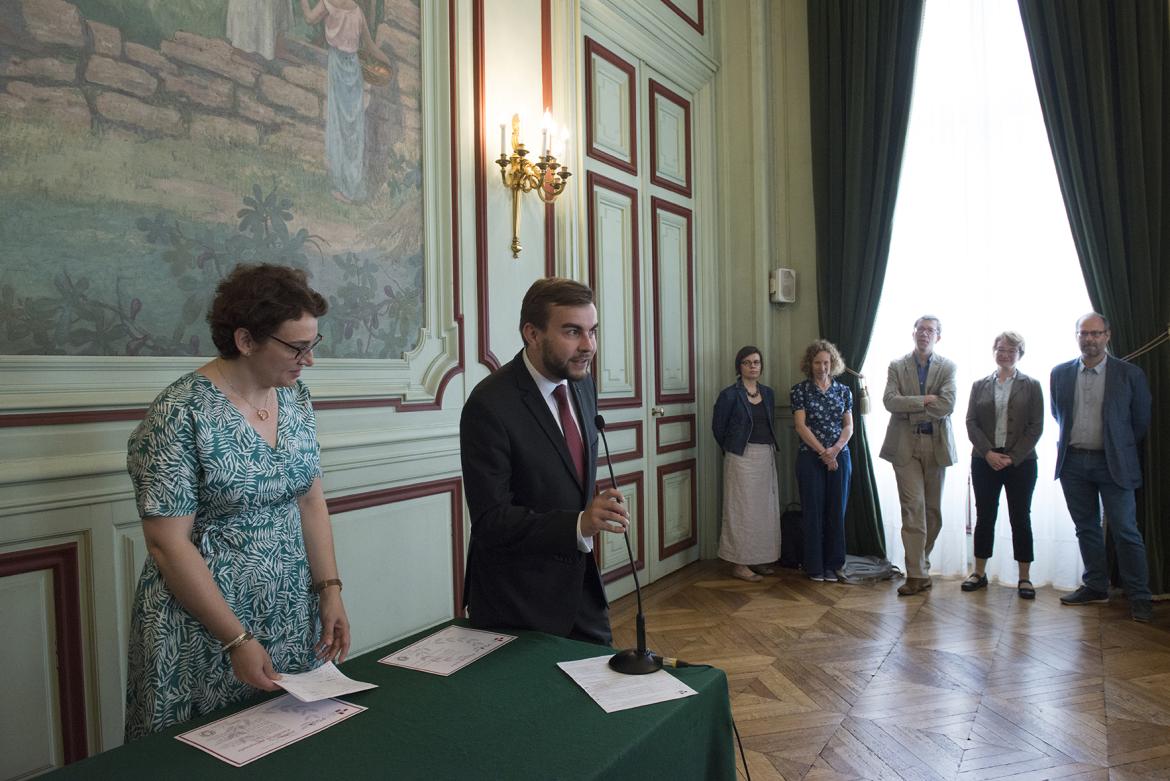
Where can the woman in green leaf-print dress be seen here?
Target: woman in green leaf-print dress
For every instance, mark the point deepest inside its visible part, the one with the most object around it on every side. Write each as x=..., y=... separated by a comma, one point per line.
x=241, y=583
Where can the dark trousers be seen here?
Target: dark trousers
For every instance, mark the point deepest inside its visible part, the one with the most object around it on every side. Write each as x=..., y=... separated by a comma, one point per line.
x=591, y=624
x=1087, y=485
x=823, y=495
x=1018, y=480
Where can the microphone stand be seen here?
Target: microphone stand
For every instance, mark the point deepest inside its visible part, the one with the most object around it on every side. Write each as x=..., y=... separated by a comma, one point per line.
x=632, y=661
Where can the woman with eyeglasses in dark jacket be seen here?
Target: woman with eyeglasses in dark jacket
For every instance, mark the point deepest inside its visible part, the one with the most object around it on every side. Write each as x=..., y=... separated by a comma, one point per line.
x=744, y=426
x=1005, y=418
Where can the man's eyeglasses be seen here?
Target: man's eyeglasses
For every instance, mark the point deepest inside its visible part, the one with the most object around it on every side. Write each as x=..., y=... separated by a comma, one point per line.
x=1093, y=334
x=300, y=351
x=926, y=331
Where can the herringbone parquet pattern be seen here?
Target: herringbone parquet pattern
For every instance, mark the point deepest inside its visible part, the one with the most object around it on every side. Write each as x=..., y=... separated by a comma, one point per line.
x=831, y=681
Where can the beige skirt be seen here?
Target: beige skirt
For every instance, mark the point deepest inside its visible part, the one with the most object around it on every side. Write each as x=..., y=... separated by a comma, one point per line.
x=751, y=507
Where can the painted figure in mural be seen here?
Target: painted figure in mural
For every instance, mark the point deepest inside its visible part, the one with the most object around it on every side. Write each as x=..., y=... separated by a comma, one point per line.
x=254, y=25
x=241, y=583
x=345, y=121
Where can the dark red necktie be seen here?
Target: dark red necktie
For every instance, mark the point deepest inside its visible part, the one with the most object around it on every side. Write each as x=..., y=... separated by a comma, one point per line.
x=572, y=435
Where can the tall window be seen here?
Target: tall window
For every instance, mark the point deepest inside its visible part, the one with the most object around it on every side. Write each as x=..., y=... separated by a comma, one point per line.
x=981, y=240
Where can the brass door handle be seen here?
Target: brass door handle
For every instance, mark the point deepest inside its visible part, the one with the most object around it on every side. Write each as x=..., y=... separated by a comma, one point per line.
x=657, y=411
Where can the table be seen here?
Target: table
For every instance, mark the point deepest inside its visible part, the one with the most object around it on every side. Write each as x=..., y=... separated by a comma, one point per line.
x=510, y=715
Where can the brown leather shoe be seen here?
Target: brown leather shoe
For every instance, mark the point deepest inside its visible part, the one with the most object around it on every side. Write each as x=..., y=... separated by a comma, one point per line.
x=914, y=586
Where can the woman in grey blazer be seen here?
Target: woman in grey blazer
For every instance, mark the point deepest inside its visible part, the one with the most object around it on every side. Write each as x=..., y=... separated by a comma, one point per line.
x=1005, y=418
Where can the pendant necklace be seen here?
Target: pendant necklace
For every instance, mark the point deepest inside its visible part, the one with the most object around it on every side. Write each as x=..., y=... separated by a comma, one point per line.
x=261, y=412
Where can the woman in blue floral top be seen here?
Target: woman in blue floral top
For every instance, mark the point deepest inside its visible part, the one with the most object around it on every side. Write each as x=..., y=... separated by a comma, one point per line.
x=822, y=410
x=241, y=582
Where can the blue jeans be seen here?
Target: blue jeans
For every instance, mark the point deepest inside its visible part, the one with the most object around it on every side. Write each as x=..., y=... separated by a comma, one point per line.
x=1087, y=485
x=823, y=495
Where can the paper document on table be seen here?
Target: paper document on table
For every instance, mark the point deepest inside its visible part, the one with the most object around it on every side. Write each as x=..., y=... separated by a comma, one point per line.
x=321, y=684
x=614, y=691
x=250, y=734
x=447, y=650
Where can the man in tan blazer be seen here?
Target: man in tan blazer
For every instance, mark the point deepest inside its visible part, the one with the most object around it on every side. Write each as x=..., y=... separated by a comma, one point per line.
x=920, y=396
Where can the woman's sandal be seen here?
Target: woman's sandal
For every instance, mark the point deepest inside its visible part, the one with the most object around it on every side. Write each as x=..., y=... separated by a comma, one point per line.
x=1026, y=592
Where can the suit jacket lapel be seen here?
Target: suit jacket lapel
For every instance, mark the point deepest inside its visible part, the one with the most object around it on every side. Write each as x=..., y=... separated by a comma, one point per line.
x=588, y=428
x=536, y=404
x=1068, y=391
x=910, y=378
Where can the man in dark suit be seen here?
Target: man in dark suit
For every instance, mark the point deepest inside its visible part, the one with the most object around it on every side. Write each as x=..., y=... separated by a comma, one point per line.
x=528, y=443
x=1102, y=405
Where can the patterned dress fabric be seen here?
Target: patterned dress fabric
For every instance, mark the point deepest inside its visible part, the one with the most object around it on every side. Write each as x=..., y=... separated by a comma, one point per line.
x=823, y=410
x=194, y=453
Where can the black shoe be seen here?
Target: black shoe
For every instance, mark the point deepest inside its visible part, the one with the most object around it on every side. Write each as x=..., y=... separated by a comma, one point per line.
x=1085, y=596
x=974, y=582
x=1026, y=589
x=1141, y=610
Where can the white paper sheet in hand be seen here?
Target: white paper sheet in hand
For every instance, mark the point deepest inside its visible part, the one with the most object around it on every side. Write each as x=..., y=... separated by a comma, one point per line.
x=250, y=734
x=321, y=684
x=614, y=691
x=447, y=650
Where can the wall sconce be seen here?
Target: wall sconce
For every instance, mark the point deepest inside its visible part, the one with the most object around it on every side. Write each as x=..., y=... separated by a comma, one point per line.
x=519, y=174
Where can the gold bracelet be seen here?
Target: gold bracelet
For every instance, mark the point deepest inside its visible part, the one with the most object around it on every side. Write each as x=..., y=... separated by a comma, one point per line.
x=242, y=638
x=324, y=584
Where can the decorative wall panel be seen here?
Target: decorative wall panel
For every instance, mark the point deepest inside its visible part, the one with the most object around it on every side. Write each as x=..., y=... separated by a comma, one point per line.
x=615, y=276
x=612, y=557
x=670, y=140
x=677, y=500
x=674, y=313
x=40, y=597
x=675, y=432
x=611, y=115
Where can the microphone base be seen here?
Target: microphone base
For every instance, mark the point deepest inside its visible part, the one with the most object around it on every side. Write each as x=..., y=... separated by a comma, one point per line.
x=634, y=662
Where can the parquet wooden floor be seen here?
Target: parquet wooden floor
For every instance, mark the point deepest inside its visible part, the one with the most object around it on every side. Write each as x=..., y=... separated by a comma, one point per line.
x=832, y=681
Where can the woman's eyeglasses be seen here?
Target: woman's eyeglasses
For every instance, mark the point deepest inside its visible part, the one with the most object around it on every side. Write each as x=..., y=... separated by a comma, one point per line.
x=300, y=351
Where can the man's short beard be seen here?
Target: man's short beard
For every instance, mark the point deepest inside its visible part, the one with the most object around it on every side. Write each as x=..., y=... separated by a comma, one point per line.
x=559, y=369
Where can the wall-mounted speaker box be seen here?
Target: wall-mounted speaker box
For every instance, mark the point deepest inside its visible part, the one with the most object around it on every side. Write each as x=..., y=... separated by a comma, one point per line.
x=782, y=286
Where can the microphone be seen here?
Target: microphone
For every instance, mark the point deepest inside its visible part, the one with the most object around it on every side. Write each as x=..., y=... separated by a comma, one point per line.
x=632, y=661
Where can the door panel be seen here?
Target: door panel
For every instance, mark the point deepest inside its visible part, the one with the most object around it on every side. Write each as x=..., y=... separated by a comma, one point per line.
x=670, y=140
x=613, y=560
x=646, y=310
x=674, y=299
x=611, y=109
x=614, y=269
x=677, y=499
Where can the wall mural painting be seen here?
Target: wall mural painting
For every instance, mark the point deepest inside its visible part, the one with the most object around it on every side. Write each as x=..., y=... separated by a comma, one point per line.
x=148, y=146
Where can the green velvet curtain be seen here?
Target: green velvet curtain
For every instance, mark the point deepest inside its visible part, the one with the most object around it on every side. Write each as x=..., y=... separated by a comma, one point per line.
x=861, y=73
x=1103, y=73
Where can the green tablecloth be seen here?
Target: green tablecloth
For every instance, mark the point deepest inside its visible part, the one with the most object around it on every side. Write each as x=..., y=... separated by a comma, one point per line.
x=511, y=715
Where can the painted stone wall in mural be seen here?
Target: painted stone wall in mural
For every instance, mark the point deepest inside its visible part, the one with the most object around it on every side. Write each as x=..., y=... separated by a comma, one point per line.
x=148, y=146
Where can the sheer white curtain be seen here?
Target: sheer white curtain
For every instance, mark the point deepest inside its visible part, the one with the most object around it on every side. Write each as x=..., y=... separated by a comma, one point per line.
x=982, y=241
